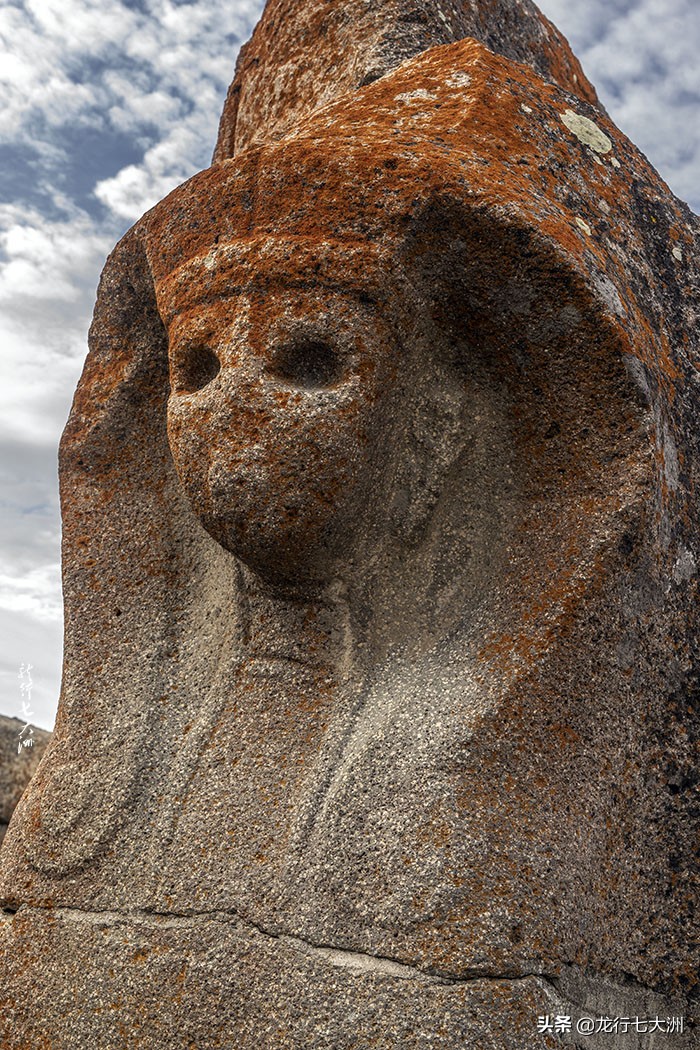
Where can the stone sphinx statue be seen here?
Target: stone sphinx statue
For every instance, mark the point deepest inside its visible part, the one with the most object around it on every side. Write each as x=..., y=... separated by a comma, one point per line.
x=380, y=574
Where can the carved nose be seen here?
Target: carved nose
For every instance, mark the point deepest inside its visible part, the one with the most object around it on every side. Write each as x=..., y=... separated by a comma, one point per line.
x=240, y=406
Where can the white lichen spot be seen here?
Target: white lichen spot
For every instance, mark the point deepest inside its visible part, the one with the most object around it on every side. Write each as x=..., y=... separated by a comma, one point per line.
x=419, y=95
x=584, y=226
x=417, y=119
x=604, y=206
x=677, y=254
x=685, y=567
x=526, y=109
x=609, y=293
x=210, y=260
x=615, y=162
x=458, y=80
x=586, y=131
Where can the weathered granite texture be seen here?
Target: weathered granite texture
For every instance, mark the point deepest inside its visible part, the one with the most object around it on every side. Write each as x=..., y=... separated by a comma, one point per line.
x=303, y=56
x=381, y=540
x=17, y=765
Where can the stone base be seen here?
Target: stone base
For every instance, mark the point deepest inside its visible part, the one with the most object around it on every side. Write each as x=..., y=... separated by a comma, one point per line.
x=106, y=981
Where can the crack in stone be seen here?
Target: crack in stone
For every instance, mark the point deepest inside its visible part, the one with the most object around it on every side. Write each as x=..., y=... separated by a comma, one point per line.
x=364, y=962
x=581, y=997
x=356, y=962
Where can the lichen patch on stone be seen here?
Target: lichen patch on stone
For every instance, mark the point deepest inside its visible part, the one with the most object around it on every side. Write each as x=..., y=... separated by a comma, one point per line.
x=460, y=79
x=419, y=95
x=609, y=293
x=586, y=131
x=685, y=567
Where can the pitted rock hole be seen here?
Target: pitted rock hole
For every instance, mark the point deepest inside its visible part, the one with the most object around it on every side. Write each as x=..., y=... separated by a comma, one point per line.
x=310, y=364
x=199, y=367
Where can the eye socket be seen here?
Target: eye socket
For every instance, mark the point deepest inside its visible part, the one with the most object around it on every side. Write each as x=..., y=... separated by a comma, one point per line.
x=197, y=367
x=308, y=363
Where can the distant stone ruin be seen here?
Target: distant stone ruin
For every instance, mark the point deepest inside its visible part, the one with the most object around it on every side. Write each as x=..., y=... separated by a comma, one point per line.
x=18, y=762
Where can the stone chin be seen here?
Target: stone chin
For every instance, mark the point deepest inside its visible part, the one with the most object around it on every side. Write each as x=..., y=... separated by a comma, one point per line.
x=291, y=518
x=294, y=541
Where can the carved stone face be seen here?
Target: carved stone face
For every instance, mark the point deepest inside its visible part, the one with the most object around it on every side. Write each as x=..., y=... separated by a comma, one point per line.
x=278, y=420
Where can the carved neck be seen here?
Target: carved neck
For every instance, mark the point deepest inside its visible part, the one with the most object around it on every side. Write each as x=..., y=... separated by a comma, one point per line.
x=293, y=632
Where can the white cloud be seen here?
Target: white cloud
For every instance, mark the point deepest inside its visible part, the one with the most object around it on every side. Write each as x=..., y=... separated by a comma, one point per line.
x=37, y=592
x=44, y=259
x=47, y=283
x=139, y=186
x=77, y=62
x=166, y=69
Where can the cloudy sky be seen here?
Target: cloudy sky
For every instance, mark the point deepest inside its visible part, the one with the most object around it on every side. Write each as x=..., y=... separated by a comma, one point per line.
x=109, y=104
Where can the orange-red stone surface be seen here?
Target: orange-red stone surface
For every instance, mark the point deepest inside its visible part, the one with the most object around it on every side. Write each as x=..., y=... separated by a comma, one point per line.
x=303, y=56
x=381, y=541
